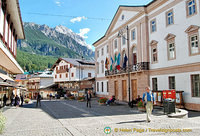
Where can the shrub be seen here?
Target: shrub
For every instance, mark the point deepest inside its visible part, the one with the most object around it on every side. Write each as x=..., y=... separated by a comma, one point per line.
x=81, y=98
x=27, y=100
x=140, y=104
x=72, y=97
x=102, y=100
x=2, y=122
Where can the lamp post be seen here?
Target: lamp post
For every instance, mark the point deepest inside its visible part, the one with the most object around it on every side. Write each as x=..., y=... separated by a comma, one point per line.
x=120, y=34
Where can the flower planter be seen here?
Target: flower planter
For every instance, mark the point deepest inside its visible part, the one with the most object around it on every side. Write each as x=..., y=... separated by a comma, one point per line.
x=82, y=100
x=102, y=104
x=142, y=109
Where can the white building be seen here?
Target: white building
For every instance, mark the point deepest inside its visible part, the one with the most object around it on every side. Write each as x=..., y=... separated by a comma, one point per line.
x=163, y=34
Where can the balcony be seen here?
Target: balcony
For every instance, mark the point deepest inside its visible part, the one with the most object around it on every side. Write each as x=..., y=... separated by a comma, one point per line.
x=132, y=68
x=62, y=71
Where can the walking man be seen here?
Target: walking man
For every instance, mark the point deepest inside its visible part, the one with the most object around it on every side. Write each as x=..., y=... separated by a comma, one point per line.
x=4, y=100
x=22, y=99
x=148, y=98
x=38, y=100
x=88, y=97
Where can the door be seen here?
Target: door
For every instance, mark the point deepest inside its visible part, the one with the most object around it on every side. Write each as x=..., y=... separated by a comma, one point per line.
x=134, y=58
x=134, y=88
x=116, y=89
x=124, y=90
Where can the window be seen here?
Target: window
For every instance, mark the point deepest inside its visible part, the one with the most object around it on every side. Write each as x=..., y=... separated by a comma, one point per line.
x=195, y=79
x=170, y=17
x=66, y=75
x=97, y=67
x=102, y=66
x=154, y=84
x=115, y=44
x=153, y=25
x=102, y=86
x=97, y=54
x=97, y=86
x=102, y=51
x=107, y=48
x=55, y=76
x=171, y=51
x=70, y=65
x=194, y=44
x=89, y=74
x=191, y=7
x=72, y=74
x=107, y=87
x=60, y=76
x=154, y=55
x=123, y=39
x=172, y=84
x=133, y=34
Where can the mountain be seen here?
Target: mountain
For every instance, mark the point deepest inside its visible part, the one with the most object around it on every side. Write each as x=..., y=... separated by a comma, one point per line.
x=58, y=42
x=41, y=40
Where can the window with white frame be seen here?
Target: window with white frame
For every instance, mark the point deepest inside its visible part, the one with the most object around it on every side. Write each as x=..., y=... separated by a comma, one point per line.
x=102, y=66
x=97, y=86
x=115, y=44
x=172, y=83
x=123, y=39
x=133, y=34
x=171, y=50
x=97, y=54
x=101, y=86
x=154, y=55
x=153, y=25
x=107, y=49
x=194, y=44
x=170, y=17
x=191, y=7
x=102, y=51
x=97, y=67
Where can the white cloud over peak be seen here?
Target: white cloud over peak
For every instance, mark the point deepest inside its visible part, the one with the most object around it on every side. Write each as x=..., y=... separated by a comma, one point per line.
x=78, y=19
x=83, y=32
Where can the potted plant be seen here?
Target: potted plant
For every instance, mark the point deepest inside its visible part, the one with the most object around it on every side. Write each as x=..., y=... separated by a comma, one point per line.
x=27, y=100
x=72, y=98
x=102, y=100
x=81, y=98
x=141, y=106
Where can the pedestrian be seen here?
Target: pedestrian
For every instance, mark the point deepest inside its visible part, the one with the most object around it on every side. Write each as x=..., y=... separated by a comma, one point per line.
x=17, y=101
x=51, y=96
x=88, y=98
x=22, y=99
x=38, y=100
x=11, y=99
x=4, y=100
x=148, y=99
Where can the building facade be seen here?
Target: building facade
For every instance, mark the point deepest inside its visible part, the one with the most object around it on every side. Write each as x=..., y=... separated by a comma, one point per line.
x=11, y=29
x=164, y=50
x=68, y=73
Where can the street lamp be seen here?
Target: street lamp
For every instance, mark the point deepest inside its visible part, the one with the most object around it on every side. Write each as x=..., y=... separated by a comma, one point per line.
x=120, y=34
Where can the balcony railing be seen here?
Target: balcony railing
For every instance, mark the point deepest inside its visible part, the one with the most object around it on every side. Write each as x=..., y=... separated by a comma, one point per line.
x=62, y=70
x=132, y=68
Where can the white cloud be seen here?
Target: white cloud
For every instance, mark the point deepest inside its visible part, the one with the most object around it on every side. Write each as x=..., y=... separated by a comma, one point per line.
x=58, y=3
x=83, y=32
x=77, y=19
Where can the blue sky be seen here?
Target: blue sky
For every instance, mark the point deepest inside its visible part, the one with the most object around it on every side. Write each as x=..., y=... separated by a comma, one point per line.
x=89, y=18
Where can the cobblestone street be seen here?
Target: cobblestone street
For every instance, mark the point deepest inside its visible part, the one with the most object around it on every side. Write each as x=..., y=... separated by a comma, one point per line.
x=73, y=118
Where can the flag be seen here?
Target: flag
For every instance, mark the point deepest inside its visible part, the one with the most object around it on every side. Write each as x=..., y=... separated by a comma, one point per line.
x=125, y=60
x=115, y=63
x=118, y=61
x=111, y=64
x=106, y=63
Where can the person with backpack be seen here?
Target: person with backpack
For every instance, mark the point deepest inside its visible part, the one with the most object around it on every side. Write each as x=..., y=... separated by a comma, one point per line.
x=38, y=100
x=148, y=99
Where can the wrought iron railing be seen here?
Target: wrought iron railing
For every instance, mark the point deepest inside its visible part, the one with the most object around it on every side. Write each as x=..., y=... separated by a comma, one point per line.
x=132, y=68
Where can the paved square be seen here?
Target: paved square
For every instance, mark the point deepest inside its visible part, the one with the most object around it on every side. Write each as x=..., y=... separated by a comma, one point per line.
x=73, y=118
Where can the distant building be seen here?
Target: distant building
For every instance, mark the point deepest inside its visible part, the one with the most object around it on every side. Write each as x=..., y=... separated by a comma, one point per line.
x=11, y=29
x=164, y=51
x=68, y=73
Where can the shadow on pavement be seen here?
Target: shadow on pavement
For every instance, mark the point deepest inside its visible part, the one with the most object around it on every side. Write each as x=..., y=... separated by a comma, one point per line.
x=136, y=121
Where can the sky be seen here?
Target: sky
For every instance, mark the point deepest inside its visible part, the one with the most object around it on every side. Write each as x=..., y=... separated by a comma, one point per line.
x=88, y=18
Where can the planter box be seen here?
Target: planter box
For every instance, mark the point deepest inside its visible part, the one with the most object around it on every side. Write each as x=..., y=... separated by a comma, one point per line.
x=82, y=100
x=102, y=103
x=142, y=109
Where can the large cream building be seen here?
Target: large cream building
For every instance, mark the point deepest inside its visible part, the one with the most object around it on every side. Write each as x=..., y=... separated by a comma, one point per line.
x=164, y=50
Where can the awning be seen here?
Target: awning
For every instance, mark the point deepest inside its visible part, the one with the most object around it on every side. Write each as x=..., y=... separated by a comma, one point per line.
x=5, y=77
x=5, y=84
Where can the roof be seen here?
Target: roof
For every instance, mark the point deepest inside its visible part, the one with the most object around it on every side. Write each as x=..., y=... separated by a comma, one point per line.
x=5, y=77
x=75, y=62
x=119, y=8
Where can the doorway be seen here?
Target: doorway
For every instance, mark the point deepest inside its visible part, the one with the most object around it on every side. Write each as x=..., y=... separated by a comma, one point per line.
x=116, y=89
x=124, y=90
x=134, y=88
